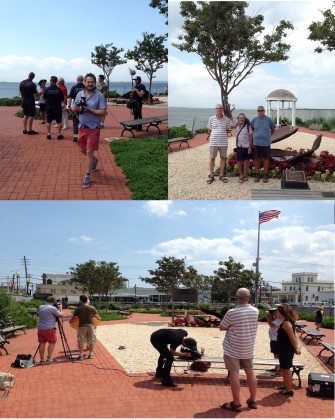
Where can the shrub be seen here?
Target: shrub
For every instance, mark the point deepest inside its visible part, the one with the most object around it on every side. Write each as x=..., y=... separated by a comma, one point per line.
x=307, y=316
x=113, y=94
x=181, y=131
x=328, y=322
x=18, y=313
x=10, y=101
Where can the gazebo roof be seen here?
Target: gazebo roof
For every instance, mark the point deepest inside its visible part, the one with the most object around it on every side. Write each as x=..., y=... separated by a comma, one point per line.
x=281, y=95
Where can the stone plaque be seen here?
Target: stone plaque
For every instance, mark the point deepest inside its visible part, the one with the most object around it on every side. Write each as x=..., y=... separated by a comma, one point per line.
x=294, y=179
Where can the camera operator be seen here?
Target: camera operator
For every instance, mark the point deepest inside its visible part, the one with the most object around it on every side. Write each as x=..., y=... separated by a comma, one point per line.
x=138, y=93
x=90, y=104
x=175, y=337
x=47, y=317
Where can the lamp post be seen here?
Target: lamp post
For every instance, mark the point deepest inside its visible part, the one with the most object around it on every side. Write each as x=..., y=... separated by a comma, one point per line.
x=17, y=281
x=28, y=283
x=135, y=292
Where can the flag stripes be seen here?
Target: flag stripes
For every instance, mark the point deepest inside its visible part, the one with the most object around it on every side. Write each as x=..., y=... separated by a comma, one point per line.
x=265, y=216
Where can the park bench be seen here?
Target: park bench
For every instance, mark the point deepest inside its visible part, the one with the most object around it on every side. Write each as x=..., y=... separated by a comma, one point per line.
x=327, y=346
x=8, y=328
x=258, y=364
x=125, y=313
x=180, y=140
x=313, y=333
x=299, y=325
x=3, y=341
x=130, y=125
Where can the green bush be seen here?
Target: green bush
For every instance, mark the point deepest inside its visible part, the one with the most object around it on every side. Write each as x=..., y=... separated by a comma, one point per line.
x=34, y=303
x=144, y=162
x=18, y=313
x=16, y=101
x=201, y=131
x=328, y=322
x=113, y=94
x=38, y=116
x=181, y=131
x=307, y=316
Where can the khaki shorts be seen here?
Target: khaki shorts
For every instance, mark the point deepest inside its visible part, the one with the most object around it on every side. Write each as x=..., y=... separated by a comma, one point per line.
x=86, y=333
x=213, y=151
x=236, y=364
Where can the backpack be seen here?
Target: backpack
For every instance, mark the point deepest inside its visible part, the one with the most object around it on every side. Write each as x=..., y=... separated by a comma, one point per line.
x=24, y=361
x=7, y=381
x=200, y=366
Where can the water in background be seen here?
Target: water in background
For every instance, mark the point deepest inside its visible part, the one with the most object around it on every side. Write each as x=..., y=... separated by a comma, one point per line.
x=11, y=89
x=195, y=118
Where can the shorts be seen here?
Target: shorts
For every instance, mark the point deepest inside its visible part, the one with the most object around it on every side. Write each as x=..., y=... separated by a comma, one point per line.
x=274, y=347
x=286, y=359
x=89, y=138
x=242, y=154
x=213, y=151
x=29, y=109
x=42, y=107
x=86, y=333
x=261, y=152
x=236, y=364
x=47, y=336
x=54, y=114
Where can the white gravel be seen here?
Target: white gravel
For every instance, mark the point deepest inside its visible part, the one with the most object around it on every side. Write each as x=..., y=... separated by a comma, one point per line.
x=189, y=169
x=139, y=355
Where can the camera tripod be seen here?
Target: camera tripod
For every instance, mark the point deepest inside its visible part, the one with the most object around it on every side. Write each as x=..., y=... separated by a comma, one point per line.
x=65, y=343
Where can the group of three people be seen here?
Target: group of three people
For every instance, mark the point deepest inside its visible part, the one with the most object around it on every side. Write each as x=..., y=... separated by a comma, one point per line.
x=253, y=141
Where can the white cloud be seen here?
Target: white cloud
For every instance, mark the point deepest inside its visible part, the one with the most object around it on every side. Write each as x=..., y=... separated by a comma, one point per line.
x=81, y=240
x=163, y=209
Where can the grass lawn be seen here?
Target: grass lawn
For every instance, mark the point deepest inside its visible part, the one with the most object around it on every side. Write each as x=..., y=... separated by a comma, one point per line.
x=145, y=165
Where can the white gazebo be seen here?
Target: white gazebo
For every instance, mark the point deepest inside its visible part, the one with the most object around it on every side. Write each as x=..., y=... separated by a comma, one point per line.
x=281, y=96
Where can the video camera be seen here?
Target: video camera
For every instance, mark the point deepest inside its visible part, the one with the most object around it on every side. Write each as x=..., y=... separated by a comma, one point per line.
x=195, y=354
x=81, y=104
x=57, y=304
x=132, y=103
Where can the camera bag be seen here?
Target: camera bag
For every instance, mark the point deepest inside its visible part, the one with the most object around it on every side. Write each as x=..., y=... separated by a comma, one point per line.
x=321, y=384
x=24, y=361
x=7, y=381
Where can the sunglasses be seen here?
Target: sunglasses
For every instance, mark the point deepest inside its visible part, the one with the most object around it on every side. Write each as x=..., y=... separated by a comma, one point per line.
x=260, y=110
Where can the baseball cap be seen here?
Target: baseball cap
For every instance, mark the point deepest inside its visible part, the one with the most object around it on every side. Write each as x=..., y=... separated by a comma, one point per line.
x=272, y=309
x=138, y=78
x=190, y=343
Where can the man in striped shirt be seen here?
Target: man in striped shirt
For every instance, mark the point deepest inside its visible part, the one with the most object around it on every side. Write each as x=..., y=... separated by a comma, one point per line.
x=218, y=127
x=240, y=324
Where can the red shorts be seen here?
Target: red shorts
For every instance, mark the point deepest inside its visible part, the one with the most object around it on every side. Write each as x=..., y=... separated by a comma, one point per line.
x=88, y=138
x=47, y=336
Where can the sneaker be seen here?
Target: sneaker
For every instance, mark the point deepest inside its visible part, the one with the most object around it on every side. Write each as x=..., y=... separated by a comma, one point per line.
x=49, y=136
x=169, y=383
x=60, y=136
x=95, y=163
x=42, y=361
x=87, y=182
x=24, y=131
x=32, y=132
x=56, y=125
x=50, y=361
x=90, y=356
x=81, y=357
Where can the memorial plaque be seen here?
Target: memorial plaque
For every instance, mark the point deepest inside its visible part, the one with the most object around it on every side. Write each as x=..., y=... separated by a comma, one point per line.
x=294, y=179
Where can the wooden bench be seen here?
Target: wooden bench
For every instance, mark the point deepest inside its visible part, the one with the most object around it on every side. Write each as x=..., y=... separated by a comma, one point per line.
x=8, y=328
x=313, y=333
x=327, y=346
x=3, y=341
x=125, y=313
x=130, y=125
x=299, y=326
x=296, y=368
x=180, y=140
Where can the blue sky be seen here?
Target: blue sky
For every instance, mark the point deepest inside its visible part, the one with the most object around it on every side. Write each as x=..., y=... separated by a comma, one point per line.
x=57, y=38
x=57, y=235
x=308, y=75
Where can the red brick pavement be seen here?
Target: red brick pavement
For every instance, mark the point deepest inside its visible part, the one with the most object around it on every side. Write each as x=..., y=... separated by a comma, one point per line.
x=33, y=168
x=100, y=388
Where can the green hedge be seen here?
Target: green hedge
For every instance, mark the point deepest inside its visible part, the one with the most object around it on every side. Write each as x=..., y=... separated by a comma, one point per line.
x=18, y=313
x=10, y=101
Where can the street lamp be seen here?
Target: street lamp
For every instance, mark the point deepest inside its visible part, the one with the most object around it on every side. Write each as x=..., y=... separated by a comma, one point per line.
x=17, y=281
x=135, y=292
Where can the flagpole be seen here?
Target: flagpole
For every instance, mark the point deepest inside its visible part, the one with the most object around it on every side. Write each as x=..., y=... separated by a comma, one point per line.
x=257, y=263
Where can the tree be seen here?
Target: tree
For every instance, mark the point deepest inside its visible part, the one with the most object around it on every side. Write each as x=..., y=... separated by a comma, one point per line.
x=149, y=55
x=107, y=58
x=324, y=31
x=84, y=275
x=168, y=277
x=230, y=43
x=232, y=277
x=162, y=6
x=195, y=281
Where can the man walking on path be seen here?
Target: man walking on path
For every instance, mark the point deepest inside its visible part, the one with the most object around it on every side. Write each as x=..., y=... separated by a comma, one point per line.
x=93, y=106
x=218, y=127
x=54, y=98
x=240, y=324
x=28, y=91
x=262, y=127
x=86, y=331
x=70, y=101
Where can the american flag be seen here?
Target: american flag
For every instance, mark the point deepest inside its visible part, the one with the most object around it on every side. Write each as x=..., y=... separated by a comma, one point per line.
x=265, y=216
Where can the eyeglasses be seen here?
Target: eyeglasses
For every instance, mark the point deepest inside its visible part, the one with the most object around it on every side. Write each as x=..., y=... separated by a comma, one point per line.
x=260, y=110
x=219, y=108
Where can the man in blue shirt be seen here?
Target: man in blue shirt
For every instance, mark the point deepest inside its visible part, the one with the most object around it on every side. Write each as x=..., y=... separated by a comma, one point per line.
x=47, y=316
x=89, y=122
x=262, y=127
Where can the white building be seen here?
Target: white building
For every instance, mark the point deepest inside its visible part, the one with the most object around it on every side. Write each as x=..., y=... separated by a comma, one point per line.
x=306, y=289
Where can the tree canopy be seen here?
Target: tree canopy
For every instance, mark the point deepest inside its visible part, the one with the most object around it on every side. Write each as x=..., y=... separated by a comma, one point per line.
x=107, y=58
x=149, y=54
x=324, y=32
x=162, y=6
x=230, y=43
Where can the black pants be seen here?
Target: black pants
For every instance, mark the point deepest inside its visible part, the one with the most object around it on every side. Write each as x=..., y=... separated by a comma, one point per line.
x=75, y=122
x=165, y=360
x=138, y=114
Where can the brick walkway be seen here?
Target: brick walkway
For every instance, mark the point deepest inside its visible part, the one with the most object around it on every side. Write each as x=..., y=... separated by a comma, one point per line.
x=100, y=388
x=33, y=168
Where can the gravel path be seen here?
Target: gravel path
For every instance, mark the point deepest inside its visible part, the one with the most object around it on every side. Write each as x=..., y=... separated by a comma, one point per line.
x=188, y=172
x=139, y=356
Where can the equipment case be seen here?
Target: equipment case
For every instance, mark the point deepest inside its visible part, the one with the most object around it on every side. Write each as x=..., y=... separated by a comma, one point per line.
x=321, y=384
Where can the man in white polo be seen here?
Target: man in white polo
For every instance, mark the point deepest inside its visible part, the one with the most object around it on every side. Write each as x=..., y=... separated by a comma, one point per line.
x=240, y=324
x=218, y=127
